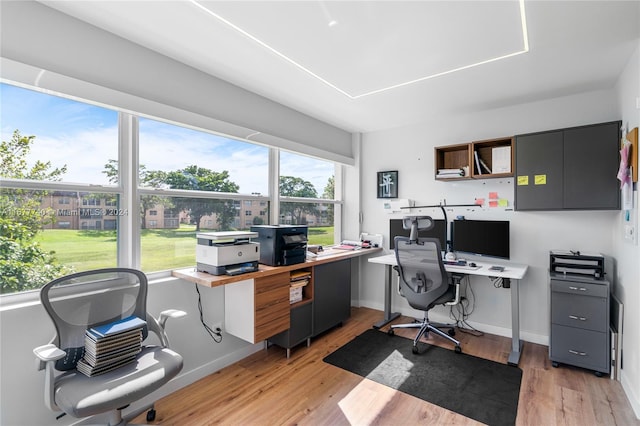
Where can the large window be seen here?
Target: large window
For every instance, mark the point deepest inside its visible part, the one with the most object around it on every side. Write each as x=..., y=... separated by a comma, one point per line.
x=66, y=204
x=303, y=182
x=54, y=151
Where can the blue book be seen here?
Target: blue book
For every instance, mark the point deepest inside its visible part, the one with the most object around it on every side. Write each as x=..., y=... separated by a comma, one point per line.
x=120, y=326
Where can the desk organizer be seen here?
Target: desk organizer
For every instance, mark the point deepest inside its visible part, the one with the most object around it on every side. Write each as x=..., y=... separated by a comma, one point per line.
x=576, y=264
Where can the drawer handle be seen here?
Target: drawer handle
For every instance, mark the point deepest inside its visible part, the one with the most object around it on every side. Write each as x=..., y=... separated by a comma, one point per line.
x=573, y=317
x=576, y=288
x=571, y=351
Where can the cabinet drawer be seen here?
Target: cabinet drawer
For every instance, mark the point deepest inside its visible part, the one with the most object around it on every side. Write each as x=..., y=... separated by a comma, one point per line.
x=582, y=348
x=581, y=288
x=579, y=311
x=271, y=305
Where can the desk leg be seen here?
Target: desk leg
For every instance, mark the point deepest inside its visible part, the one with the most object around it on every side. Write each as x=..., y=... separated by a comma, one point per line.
x=388, y=315
x=516, y=343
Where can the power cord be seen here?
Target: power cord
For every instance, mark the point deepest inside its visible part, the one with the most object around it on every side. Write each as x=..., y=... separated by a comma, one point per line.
x=216, y=334
x=464, y=309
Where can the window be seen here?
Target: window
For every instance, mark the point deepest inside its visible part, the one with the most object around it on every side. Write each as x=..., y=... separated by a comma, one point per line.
x=305, y=177
x=190, y=180
x=174, y=159
x=53, y=230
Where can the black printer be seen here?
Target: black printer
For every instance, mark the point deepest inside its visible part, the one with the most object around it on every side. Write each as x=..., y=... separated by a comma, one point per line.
x=281, y=245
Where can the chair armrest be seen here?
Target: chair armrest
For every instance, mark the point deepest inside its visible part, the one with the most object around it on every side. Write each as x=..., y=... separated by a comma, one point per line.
x=46, y=356
x=50, y=352
x=157, y=326
x=170, y=313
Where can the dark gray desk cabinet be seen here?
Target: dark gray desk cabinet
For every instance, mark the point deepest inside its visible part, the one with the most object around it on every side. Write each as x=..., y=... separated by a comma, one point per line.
x=580, y=322
x=573, y=168
x=331, y=295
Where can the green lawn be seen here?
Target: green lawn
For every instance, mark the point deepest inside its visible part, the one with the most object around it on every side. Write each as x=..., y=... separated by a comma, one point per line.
x=162, y=249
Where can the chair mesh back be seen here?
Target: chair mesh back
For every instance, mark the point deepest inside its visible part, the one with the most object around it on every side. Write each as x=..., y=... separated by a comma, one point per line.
x=423, y=278
x=80, y=301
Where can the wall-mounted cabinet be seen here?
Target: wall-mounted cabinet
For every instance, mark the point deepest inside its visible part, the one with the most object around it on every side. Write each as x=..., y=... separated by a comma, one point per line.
x=491, y=158
x=573, y=168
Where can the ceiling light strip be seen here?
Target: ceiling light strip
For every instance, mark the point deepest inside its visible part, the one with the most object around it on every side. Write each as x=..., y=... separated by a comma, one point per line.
x=525, y=39
x=269, y=48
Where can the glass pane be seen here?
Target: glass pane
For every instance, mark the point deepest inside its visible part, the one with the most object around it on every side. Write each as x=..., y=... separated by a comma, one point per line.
x=181, y=158
x=170, y=224
x=74, y=140
x=307, y=177
x=317, y=216
x=48, y=234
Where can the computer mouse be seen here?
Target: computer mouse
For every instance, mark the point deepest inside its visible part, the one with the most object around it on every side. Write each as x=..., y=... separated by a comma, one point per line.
x=473, y=265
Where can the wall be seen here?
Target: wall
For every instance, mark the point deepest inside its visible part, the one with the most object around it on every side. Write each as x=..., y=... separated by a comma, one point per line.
x=627, y=286
x=533, y=234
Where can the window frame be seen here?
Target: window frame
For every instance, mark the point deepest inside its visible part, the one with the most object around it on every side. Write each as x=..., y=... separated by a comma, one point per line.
x=129, y=191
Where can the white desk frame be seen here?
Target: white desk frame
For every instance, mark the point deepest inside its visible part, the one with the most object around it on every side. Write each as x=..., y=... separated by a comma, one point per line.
x=512, y=271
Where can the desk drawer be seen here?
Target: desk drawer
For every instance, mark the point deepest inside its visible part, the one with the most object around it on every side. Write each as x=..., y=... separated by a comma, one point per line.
x=582, y=348
x=271, y=305
x=580, y=288
x=579, y=311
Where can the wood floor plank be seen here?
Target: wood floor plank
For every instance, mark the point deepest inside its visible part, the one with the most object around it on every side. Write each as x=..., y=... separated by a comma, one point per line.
x=266, y=388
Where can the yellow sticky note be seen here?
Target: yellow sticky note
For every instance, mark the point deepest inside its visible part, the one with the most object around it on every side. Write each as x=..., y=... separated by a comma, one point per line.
x=540, y=179
x=523, y=180
x=503, y=202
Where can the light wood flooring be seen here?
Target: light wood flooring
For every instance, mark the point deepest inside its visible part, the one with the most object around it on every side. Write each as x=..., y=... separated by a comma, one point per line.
x=269, y=389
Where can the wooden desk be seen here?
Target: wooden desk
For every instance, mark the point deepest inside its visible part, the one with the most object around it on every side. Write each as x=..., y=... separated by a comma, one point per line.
x=512, y=271
x=257, y=305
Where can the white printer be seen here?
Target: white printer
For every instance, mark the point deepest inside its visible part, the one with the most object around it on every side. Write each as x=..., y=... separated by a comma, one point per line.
x=227, y=253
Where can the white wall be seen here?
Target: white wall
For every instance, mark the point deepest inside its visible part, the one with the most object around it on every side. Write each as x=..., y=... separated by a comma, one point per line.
x=410, y=150
x=627, y=286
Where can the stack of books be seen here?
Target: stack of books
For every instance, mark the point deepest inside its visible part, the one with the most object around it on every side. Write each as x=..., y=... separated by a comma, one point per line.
x=299, y=279
x=111, y=346
x=450, y=173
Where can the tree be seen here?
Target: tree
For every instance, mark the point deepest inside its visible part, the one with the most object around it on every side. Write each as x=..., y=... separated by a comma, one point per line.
x=201, y=179
x=297, y=187
x=23, y=263
x=329, y=194
x=148, y=178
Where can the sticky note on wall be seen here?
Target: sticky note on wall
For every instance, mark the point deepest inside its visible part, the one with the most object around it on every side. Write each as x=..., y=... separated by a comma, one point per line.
x=523, y=180
x=540, y=179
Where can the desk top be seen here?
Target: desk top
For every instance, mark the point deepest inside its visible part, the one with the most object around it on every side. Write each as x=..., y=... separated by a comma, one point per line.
x=514, y=271
x=327, y=256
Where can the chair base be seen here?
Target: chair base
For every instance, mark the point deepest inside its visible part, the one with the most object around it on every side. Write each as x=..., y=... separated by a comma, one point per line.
x=425, y=327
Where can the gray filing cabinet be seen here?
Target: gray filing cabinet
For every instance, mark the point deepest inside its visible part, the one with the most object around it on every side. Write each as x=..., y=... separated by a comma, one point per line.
x=580, y=322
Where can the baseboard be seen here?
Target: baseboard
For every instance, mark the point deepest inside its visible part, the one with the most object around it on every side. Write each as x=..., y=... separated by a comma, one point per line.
x=633, y=398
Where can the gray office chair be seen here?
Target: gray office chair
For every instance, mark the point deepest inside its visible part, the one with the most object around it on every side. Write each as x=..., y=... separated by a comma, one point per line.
x=87, y=299
x=424, y=282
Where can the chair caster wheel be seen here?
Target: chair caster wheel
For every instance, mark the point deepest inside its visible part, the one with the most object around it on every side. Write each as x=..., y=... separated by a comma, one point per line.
x=458, y=350
x=391, y=332
x=415, y=350
x=151, y=415
x=451, y=332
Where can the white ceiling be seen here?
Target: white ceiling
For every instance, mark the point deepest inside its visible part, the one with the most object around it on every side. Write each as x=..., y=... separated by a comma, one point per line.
x=370, y=65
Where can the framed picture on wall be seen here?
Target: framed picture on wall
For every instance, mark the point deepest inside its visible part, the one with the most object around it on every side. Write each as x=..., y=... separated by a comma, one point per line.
x=388, y=184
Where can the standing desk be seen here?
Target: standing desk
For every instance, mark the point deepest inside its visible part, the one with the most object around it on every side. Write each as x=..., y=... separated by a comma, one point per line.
x=512, y=271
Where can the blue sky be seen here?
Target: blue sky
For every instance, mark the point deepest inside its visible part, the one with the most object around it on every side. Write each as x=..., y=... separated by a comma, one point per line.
x=84, y=137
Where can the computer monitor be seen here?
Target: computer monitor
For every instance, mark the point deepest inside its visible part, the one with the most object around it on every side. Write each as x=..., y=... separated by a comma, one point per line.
x=438, y=231
x=481, y=237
